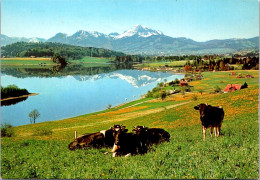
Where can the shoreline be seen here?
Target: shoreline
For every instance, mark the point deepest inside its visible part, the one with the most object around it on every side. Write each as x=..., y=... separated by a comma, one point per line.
x=18, y=97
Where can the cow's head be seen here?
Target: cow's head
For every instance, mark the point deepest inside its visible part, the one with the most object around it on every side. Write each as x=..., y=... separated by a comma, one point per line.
x=118, y=134
x=138, y=129
x=201, y=107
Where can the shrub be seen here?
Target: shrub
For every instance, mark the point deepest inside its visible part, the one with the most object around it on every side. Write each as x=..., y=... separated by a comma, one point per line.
x=162, y=94
x=149, y=94
x=217, y=89
x=156, y=89
x=156, y=95
x=194, y=97
x=201, y=91
x=43, y=132
x=7, y=130
x=109, y=106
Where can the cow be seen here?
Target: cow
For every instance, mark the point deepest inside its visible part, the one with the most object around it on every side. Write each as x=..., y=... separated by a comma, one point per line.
x=125, y=143
x=210, y=116
x=100, y=139
x=149, y=136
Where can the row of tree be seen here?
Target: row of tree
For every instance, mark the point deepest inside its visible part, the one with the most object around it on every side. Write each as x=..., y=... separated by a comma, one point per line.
x=223, y=64
x=49, y=49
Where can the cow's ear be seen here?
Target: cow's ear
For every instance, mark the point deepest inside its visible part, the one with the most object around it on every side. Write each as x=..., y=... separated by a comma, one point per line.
x=196, y=107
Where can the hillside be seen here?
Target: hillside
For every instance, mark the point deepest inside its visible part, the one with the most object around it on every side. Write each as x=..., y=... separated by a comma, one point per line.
x=48, y=49
x=233, y=155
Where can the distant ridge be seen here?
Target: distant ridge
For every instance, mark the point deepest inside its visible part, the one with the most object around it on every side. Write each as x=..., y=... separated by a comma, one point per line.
x=144, y=40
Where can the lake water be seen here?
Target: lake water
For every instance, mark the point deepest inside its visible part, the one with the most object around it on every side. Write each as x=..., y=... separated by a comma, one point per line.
x=65, y=96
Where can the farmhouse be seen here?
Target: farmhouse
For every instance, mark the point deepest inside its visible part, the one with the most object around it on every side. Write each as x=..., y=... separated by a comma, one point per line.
x=234, y=87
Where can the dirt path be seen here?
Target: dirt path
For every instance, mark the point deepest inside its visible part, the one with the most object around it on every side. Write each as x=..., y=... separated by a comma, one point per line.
x=123, y=117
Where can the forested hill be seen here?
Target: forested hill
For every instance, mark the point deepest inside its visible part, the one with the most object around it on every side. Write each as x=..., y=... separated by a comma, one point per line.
x=48, y=49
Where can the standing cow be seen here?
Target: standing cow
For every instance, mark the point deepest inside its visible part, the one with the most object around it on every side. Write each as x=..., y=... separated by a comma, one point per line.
x=100, y=139
x=210, y=116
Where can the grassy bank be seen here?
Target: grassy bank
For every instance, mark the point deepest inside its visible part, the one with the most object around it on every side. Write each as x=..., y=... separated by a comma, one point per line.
x=41, y=150
x=47, y=61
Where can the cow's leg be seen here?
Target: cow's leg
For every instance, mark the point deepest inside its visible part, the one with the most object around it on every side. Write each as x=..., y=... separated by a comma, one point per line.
x=114, y=154
x=218, y=128
x=211, y=131
x=204, y=132
x=128, y=155
x=216, y=131
x=115, y=147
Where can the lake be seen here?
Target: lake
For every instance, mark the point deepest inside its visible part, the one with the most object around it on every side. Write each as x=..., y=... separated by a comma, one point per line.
x=64, y=95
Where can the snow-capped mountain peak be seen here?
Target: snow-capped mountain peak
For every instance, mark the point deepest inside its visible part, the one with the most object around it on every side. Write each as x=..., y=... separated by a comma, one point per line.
x=88, y=33
x=140, y=31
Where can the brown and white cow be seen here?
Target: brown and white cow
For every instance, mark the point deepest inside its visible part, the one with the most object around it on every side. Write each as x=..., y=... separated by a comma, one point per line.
x=210, y=116
x=104, y=138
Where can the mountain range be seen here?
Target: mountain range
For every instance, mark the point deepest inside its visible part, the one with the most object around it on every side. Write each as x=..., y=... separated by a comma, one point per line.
x=144, y=40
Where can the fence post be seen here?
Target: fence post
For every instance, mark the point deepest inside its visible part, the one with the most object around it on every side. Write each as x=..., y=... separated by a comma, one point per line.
x=75, y=134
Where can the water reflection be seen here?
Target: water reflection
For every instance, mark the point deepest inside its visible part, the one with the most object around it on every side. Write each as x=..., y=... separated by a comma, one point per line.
x=70, y=69
x=76, y=89
x=13, y=101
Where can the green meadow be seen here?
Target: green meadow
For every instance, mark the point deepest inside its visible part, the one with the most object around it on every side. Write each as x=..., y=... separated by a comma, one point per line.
x=41, y=150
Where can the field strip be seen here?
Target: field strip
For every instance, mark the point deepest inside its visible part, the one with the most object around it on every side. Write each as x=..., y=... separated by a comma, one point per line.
x=132, y=105
x=124, y=117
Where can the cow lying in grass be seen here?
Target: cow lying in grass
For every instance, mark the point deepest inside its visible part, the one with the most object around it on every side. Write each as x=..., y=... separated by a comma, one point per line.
x=210, y=116
x=125, y=143
x=138, y=143
x=150, y=136
x=100, y=139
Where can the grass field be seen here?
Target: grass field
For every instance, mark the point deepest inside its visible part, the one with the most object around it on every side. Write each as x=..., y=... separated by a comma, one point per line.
x=25, y=61
x=90, y=61
x=161, y=64
x=41, y=150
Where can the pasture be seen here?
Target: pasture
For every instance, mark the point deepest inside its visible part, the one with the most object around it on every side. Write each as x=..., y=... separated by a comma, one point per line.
x=41, y=150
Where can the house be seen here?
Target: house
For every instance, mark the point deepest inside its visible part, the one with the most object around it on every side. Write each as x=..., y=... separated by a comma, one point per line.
x=249, y=76
x=233, y=73
x=183, y=83
x=232, y=87
x=32, y=56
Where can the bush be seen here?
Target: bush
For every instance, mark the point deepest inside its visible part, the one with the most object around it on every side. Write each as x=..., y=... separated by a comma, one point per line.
x=162, y=94
x=43, y=132
x=194, y=97
x=7, y=130
x=217, y=89
x=149, y=94
x=156, y=95
x=156, y=89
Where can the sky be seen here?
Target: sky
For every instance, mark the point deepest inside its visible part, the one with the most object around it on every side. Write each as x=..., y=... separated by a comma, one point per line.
x=200, y=20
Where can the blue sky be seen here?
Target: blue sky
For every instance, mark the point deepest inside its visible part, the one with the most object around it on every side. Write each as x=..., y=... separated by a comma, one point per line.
x=199, y=20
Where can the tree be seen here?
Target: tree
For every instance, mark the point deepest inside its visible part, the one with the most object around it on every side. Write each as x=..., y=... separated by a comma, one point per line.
x=33, y=115
x=162, y=94
x=59, y=59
